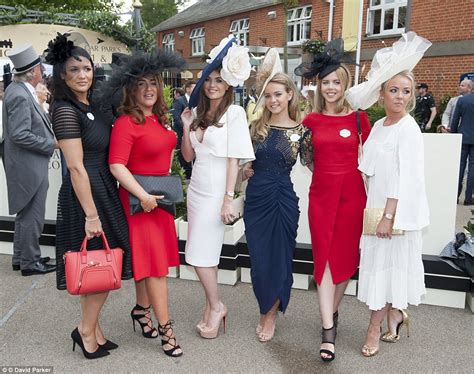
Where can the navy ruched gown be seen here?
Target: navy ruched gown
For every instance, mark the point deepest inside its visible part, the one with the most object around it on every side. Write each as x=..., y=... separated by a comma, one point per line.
x=271, y=213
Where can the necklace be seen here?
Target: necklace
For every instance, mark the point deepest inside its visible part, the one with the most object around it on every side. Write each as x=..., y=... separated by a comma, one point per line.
x=279, y=126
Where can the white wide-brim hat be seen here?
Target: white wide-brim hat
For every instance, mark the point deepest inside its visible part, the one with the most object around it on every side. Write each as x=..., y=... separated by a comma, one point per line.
x=271, y=65
x=23, y=58
x=403, y=55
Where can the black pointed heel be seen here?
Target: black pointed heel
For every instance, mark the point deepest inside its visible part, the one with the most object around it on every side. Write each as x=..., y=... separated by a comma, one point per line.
x=108, y=345
x=77, y=338
x=169, y=339
x=152, y=333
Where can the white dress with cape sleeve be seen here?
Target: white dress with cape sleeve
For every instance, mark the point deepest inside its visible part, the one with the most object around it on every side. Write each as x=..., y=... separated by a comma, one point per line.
x=231, y=139
x=235, y=136
x=391, y=271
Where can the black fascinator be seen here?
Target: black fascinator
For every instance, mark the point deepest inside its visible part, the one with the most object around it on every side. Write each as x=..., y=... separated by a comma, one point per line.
x=139, y=65
x=59, y=49
x=324, y=62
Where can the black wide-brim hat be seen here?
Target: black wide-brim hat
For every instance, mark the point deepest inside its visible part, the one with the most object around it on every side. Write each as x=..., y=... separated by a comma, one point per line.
x=213, y=65
x=129, y=68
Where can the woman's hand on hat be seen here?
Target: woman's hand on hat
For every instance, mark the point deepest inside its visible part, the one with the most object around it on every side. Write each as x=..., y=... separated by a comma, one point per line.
x=187, y=117
x=150, y=202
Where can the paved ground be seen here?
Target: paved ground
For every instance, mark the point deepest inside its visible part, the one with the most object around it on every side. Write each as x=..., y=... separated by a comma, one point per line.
x=36, y=321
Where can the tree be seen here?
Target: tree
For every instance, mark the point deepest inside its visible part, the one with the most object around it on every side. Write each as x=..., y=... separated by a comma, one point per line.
x=69, y=6
x=156, y=11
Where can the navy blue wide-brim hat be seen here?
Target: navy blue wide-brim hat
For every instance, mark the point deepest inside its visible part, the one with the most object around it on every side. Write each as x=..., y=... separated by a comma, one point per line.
x=214, y=65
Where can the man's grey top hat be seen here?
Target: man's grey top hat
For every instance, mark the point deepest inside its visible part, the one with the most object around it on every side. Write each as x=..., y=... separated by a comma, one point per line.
x=23, y=58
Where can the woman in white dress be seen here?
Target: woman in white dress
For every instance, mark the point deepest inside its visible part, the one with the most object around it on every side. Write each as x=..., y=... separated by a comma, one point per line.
x=216, y=137
x=391, y=273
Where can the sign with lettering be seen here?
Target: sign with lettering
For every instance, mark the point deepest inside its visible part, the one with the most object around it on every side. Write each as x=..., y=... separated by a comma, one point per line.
x=99, y=46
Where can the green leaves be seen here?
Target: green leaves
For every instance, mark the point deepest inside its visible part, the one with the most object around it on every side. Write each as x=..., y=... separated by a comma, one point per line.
x=96, y=15
x=313, y=46
x=156, y=11
x=470, y=226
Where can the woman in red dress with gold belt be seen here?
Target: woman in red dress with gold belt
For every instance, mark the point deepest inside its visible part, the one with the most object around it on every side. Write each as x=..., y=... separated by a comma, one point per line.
x=337, y=195
x=142, y=143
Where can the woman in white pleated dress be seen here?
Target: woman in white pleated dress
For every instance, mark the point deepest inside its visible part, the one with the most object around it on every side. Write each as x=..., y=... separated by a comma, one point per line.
x=391, y=273
x=217, y=138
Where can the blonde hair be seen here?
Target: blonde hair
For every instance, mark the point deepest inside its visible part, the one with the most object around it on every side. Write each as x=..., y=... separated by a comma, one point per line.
x=405, y=74
x=259, y=127
x=344, y=75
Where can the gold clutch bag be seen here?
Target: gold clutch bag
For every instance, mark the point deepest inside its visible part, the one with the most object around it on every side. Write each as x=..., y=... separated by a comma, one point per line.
x=372, y=217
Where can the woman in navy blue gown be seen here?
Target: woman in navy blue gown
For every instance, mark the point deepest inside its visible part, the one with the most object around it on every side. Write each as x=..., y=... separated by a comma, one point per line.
x=271, y=206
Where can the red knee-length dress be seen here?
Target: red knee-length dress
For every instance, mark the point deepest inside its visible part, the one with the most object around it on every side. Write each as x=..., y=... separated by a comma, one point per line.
x=146, y=149
x=337, y=194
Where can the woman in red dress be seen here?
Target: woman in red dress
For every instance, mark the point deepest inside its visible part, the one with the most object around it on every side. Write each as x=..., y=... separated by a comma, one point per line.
x=337, y=195
x=142, y=143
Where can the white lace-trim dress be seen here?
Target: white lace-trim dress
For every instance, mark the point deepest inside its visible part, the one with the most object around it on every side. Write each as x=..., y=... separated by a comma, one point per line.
x=391, y=271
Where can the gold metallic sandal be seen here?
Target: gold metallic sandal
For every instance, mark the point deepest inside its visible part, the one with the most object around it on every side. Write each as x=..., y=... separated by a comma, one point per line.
x=388, y=337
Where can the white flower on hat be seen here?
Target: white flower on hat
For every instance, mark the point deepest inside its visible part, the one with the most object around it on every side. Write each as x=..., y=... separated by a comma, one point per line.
x=236, y=66
x=215, y=51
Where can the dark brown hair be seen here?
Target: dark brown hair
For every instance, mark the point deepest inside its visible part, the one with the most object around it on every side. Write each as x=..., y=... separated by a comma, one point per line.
x=202, y=120
x=129, y=104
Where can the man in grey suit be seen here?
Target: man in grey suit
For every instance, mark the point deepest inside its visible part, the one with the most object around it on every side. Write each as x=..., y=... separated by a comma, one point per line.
x=463, y=122
x=28, y=145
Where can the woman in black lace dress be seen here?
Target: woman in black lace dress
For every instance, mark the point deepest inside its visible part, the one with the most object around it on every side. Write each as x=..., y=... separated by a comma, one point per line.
x=88, y=199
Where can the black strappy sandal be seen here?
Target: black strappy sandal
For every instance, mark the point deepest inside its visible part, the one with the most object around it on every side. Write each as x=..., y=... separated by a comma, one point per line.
x=170, y=340
x=152, y=333
x=328, y=336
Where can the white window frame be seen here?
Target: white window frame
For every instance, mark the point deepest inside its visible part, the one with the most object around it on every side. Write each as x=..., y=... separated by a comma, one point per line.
x=299, y=24
x=198, y=40
x=383, y=7
x=168, y=42
x=240, y=29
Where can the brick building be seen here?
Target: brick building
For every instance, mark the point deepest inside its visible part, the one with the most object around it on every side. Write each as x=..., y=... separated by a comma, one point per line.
x=260, y=24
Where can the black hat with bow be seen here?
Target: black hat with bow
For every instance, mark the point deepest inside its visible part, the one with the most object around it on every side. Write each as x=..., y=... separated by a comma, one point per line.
x=324, y=62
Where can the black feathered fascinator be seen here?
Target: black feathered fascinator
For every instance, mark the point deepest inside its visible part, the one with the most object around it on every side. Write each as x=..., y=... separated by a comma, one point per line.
x=325, y=62
x=138, y=65
x=59, y=49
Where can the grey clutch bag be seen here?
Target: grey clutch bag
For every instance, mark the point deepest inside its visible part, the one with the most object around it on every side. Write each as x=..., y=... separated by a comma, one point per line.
x=167, y=185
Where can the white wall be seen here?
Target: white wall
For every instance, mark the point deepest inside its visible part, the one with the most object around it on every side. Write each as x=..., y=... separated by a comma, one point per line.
x=442, y=153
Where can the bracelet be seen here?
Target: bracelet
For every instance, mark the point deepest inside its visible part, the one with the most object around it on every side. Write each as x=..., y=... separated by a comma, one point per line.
x=91, y=219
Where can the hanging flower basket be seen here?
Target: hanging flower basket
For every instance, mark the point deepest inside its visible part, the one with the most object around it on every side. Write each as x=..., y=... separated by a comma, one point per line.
x=312, y=46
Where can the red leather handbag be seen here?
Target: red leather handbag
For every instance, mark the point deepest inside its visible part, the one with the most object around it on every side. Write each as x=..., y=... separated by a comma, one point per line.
x=93, y=271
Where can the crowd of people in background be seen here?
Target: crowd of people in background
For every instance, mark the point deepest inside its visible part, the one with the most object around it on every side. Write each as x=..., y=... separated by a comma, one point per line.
x=357, y=169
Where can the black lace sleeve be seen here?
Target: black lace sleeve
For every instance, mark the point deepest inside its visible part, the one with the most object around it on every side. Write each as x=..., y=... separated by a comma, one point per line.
x=306, y=147
x=66, y=123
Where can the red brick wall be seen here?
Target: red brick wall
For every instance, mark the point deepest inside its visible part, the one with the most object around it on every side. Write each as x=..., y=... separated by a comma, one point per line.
x=436, y=20
x=443, y=20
